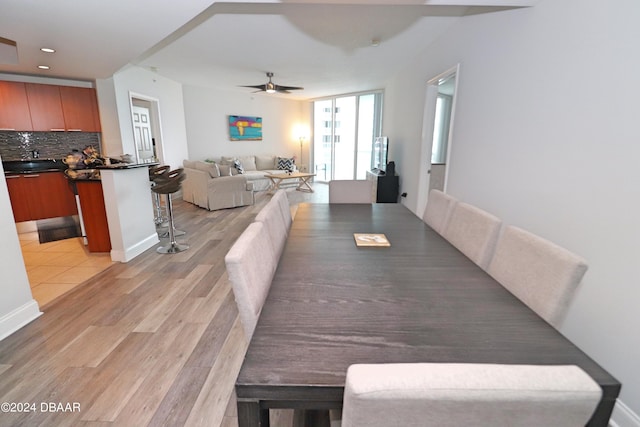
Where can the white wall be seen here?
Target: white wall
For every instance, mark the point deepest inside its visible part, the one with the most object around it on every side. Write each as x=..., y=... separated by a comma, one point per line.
x=207, y=112
x=17, y=306
x=546, y=136
x=115, y=112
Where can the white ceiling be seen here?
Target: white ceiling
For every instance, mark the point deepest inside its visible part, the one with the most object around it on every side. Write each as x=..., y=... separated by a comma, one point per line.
x=324, y=46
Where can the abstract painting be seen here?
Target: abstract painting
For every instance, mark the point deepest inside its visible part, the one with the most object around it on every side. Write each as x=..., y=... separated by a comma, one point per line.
x=245, y=128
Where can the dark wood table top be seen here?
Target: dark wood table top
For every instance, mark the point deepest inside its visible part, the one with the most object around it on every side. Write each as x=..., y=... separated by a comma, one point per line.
x=332, y=304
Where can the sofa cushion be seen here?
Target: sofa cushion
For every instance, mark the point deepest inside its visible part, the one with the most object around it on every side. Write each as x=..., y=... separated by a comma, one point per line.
x=210, y=168
x=226, y=160
x=225, y=170
x=265, y=162
x=248, y=162
x=190, y=164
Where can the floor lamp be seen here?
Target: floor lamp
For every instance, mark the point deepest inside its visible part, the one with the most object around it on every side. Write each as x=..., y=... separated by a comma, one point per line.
x=301, y=142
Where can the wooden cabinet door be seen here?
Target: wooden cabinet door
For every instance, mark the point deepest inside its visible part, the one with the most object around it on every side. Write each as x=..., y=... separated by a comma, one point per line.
x=14, y=107
x=45, y=106
x=94, y=216
x=18, y=197
x=52, y=196
x=40, y=196
x=80, y=109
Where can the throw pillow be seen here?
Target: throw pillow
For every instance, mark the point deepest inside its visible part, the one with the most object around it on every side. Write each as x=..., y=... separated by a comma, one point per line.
x=285, y=163
x=238, y=166
x=248, y=162
x=227, y=160
x=225, y=170
x=265, y=162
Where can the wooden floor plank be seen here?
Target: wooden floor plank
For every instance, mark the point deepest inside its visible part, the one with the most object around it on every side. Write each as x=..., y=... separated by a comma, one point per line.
x=155, y=341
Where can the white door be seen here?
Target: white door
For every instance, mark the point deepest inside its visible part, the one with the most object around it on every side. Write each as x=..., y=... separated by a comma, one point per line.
x=436, y=134
x=142, y=133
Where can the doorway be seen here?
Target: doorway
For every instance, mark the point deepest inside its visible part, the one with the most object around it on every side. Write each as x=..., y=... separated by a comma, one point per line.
x=146, y=129
x=437, y=138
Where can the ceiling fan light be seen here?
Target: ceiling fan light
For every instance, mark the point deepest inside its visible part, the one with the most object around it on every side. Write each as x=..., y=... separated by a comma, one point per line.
x=270, y=88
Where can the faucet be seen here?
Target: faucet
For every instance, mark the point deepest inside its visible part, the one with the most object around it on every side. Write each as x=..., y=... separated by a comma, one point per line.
x=35, y=154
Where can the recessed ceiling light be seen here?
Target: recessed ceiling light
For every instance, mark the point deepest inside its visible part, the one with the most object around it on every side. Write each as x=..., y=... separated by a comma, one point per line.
x=43, y=67
x=47, y=49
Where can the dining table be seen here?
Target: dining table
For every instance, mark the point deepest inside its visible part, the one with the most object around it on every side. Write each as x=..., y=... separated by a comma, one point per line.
x=333, y=303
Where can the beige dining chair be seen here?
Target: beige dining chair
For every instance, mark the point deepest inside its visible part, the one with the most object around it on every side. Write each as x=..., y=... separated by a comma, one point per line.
x=282, y=201
x=275, y=224
x=250, y=270
x=455, y=395
x=351, y=191
x=540, y=273
x=438, y=210
x=473, y=231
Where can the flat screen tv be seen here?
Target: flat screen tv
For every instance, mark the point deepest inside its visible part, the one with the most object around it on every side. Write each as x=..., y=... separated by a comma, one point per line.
x=380, y=154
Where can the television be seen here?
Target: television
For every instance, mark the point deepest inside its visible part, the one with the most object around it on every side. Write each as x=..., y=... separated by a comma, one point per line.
x=380, y=154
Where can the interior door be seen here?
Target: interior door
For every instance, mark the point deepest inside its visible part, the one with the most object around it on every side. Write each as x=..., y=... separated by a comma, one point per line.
x=142, y=133
x=436, y=135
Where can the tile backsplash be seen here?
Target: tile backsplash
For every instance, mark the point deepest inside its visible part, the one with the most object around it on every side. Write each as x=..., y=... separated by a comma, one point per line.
x=49, y=145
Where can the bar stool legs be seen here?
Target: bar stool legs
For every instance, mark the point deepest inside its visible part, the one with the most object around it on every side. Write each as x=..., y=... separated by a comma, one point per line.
x=174, y=247
x=168, y=184
x=159, y=217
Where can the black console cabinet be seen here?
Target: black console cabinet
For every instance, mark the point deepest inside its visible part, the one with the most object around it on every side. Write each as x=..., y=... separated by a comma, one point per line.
x=385, y=187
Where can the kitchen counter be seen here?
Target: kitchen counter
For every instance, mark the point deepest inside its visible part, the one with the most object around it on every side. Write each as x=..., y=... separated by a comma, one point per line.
x=129, y=209
x=32, y=166
x=115, y=166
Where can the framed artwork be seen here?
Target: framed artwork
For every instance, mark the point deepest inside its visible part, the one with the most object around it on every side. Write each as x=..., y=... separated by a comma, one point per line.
x=245, y=128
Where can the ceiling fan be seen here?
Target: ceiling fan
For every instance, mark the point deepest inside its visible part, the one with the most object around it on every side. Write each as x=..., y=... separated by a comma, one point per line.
x=271, y=87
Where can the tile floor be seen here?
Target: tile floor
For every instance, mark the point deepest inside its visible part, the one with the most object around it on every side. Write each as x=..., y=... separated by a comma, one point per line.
x=56, y=267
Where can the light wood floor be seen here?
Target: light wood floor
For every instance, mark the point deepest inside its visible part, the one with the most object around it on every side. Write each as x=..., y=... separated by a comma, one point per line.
x=155, y=341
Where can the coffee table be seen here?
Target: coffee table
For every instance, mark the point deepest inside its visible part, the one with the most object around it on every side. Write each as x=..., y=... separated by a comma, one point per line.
x=303, y=178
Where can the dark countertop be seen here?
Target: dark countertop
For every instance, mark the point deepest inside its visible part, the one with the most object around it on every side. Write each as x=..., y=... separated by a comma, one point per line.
x=119, y=166
x=33, y=166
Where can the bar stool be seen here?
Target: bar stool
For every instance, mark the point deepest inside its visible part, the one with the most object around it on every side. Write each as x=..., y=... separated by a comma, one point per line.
x=158, y=173
x=167, y=186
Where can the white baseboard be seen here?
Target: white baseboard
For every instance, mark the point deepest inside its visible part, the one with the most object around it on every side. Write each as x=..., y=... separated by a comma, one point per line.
x=11, y=322
x=623, y=416
x=130, y=253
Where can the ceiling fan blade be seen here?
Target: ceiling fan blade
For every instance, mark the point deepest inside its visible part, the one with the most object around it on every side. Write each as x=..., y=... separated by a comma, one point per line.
x=260, y=87
x=279, y=88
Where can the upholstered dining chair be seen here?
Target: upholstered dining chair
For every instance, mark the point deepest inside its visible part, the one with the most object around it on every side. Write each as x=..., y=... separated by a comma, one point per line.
x=282, y=201
x=455, y=395
x=274, y=222
x=250, y=273
x=540, y=273
x=350, y=191
x=438, y=210
x=473, y=231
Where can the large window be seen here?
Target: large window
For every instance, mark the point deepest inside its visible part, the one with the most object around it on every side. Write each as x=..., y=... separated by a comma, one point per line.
x=344, y=130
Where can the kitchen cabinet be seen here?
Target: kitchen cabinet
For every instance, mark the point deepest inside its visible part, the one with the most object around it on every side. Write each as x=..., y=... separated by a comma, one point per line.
x=80, y=109
x=41, y=107
x=94, y=215
x=18, y=195
x=40, y=196
x=46, y=107
x=14, y=107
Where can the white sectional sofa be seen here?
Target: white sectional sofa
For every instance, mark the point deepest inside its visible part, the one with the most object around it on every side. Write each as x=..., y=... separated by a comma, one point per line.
x=254, y=168
x=217, y=184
